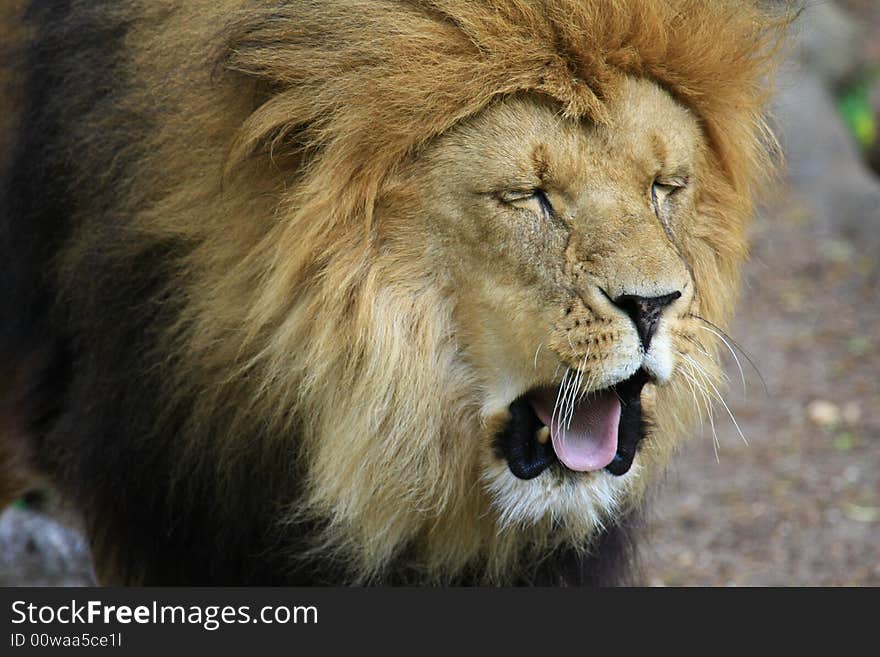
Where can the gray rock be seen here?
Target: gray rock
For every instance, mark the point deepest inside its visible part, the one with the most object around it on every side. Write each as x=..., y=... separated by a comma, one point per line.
x=36, y=550
x=830, y=42
x=823, y=161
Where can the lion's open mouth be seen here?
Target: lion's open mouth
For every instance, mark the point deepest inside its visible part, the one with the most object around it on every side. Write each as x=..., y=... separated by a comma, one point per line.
x=601, y=431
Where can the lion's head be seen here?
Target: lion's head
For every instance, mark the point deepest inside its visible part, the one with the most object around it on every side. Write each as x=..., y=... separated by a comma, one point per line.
x=505, y=219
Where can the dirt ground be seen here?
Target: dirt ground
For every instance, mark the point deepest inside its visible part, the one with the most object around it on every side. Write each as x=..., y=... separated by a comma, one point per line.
x=800, y=503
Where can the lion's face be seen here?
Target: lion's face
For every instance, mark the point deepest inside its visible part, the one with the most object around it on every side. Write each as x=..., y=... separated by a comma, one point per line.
x=561, y=246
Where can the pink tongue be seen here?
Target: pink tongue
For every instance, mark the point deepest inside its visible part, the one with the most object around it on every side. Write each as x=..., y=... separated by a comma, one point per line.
x=590, y=442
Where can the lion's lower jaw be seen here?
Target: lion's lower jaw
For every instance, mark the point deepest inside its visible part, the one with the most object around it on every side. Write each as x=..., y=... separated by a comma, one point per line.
x=578, y=505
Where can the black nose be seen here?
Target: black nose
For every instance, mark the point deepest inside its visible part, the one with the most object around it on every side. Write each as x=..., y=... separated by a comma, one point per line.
x=645, y=312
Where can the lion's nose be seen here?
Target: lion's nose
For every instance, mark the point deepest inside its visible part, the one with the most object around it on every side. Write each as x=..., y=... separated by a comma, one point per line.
x=645, y=312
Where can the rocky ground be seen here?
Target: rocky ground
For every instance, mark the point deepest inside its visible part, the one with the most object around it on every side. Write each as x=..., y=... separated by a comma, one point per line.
x=800, y=504
x=38, y=548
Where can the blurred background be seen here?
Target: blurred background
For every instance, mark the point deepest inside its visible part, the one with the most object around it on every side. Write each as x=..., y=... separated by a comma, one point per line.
x=800, y=503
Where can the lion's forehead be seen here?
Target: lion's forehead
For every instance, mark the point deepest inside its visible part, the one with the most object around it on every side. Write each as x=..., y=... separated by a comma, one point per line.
x=524, y=139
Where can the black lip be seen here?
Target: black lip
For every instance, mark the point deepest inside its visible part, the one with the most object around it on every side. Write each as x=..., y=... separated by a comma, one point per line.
x=631, y=429
x=527, y=458
x=516, y=442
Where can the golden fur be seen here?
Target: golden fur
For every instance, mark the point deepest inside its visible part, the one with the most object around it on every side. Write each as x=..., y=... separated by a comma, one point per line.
x=353, y=280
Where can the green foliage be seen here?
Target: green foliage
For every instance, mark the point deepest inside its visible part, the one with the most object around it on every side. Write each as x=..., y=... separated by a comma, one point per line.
x=857, y=109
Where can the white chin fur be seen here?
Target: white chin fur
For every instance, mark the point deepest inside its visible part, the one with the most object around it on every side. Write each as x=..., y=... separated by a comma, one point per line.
x=580, y=503
x=658, y=360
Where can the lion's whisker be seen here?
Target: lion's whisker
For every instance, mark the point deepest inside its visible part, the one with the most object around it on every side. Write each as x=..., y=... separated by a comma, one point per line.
x=696, y=343
x=716, y=443
x=717, y=395
x=742, y=375
x=696, y=402
x=590, y=378
x=556, y=408
x=575, y=389
x=569, y=399
x=737, y=345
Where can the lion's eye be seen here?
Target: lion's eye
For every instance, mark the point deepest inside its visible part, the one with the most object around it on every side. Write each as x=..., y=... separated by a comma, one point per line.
x=534, y=200
x=663, y=190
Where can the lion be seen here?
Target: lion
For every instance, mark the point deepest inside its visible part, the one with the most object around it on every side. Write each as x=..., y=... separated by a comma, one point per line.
x=387, y=292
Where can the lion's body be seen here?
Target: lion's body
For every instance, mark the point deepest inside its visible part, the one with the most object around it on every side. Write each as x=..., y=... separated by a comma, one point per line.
x=246, y=330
